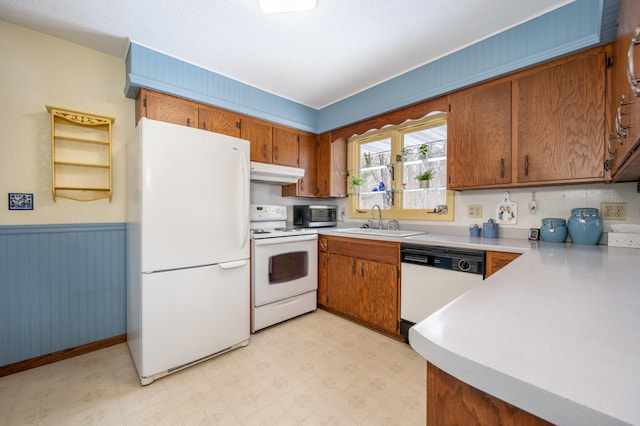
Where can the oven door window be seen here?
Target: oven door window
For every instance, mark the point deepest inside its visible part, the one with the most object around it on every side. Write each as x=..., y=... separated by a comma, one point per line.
x=288, y=267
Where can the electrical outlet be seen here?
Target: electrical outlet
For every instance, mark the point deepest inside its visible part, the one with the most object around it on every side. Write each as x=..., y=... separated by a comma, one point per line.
x=613, y=211
x=474, y=210
x=343, y=211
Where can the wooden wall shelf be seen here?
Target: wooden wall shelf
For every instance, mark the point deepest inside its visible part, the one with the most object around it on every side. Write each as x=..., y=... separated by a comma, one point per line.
x=80, y=155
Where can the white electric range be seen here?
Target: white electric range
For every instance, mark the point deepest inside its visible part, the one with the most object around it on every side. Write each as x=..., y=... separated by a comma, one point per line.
x=284, y=267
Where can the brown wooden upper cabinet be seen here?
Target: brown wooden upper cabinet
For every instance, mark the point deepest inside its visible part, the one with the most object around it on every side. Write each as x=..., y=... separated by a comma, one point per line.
x=306, y=147
x=307, y=154
x=269, y=143
x=624, y=139
x=219, y=121
x=325, y=164
x=479, y=136
x=260, y=135
x=161, y=107
x=285, y=147
x=541, y=126
x=332, y=166
x=561, y=121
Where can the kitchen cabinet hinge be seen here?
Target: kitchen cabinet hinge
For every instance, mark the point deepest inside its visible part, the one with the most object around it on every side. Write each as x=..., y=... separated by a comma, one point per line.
x=608, y=62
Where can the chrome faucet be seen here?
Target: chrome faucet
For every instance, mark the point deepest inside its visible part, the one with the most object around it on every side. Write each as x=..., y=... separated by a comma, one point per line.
x=379, y=215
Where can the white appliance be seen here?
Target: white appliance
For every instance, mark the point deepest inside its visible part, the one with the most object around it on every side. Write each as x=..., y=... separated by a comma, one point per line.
x=432, y=277
x=284, y=267
x=275, y=174
x=188, y=267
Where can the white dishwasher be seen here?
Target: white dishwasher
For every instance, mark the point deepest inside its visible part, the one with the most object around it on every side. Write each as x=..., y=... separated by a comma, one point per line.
x=433, y=276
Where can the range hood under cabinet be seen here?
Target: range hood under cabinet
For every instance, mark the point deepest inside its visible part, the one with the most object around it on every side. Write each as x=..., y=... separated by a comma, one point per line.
x=275, y=174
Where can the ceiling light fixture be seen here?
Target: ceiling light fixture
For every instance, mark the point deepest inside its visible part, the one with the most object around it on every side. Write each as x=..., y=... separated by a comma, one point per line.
x=284, y=6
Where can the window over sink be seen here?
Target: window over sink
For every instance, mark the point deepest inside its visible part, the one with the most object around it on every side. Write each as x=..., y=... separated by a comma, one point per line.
x=384, y=166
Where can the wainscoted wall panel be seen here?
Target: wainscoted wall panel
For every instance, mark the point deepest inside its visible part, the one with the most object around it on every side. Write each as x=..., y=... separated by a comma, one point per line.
x=578, y=25
x=61, y=286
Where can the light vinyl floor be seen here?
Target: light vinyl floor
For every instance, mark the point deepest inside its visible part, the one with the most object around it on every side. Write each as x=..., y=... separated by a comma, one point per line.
x=317, y=369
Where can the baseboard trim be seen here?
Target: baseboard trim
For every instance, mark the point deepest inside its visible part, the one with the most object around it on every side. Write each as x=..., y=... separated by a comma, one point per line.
x=60, y=355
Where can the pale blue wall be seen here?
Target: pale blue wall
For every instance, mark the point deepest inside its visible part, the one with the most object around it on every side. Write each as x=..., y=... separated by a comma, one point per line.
x=61, y=286
x=576, y=26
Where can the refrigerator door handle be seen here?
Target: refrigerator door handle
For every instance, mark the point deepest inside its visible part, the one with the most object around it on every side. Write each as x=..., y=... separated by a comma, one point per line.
x=244, y=232
x=233, y=265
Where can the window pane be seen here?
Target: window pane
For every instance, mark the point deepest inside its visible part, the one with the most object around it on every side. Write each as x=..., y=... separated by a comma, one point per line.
x=424, y=150
x=375, y=163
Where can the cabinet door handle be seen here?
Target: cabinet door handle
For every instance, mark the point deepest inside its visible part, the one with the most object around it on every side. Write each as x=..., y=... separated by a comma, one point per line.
x=189, y=122
x=353, y=267
x=502, y=167
x=204, y=125
x=322, y=245
x=526, y=165
x=266, y=152
x=362, y=269
x=276, y=152
x=301, y=184
x=633, y=81
x=619, y=127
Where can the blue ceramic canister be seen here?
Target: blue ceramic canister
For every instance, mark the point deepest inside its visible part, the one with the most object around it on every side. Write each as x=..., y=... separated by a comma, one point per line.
x=490, y=229
x=585, y=225
x=553, y=230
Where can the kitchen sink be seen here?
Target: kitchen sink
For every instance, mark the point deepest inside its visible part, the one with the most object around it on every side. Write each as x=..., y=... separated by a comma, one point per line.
x=379, y=232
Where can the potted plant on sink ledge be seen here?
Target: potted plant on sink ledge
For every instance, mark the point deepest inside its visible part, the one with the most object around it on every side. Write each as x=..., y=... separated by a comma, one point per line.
x=424, y=178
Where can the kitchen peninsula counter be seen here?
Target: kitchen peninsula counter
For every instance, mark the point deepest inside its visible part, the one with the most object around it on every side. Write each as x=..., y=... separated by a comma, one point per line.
x=556, y=333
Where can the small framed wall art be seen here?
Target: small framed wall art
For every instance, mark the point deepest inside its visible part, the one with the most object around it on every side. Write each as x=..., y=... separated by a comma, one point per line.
x=20, y=201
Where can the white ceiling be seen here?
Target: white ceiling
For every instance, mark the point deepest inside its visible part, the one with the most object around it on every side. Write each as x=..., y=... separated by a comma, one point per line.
x=314, y=58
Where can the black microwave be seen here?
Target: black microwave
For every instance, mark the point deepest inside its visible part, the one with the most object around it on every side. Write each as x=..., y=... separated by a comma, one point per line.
x=314, y=216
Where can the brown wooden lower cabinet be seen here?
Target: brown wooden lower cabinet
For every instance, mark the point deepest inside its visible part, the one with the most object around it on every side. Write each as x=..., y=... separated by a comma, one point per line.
x=496, y=260
x=453, y=402
x=362, y=282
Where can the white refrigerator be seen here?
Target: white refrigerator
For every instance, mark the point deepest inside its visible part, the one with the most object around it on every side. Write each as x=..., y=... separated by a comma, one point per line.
x=188, y=263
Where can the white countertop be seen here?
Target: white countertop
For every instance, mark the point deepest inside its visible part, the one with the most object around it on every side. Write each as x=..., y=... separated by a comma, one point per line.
x=556, y=332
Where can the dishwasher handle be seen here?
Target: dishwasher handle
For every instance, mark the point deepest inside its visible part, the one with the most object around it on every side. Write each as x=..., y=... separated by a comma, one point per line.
x=412, y=258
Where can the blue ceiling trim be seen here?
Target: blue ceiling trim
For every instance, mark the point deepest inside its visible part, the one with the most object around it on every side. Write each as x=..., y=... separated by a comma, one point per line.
x=576, y=26
x=571, y=28
x=150, y=69
x=609, y=21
